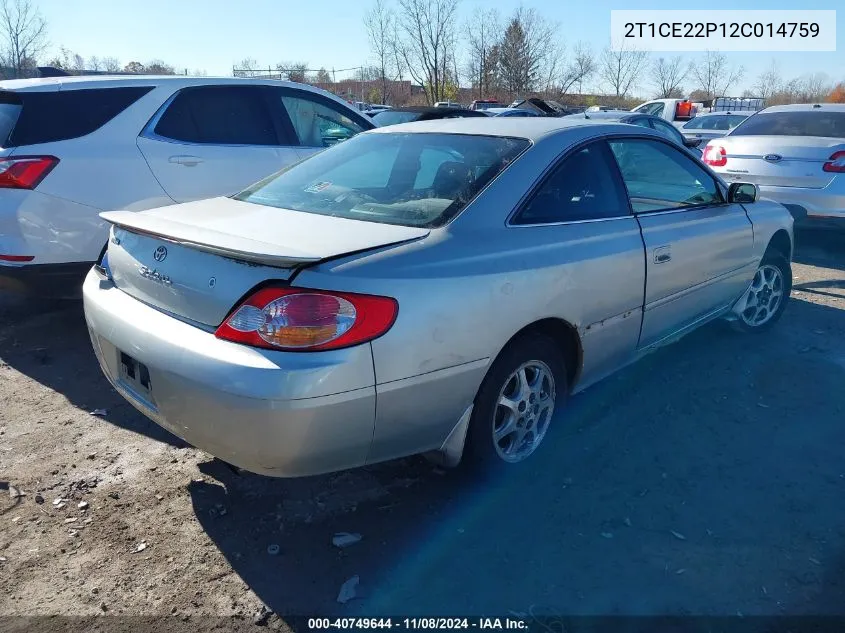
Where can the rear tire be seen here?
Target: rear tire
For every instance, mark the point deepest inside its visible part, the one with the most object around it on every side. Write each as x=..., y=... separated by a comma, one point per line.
x=515, y=404
x=764, y=301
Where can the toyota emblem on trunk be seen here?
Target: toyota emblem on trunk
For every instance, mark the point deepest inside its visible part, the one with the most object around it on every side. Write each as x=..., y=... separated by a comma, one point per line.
x=160, y=254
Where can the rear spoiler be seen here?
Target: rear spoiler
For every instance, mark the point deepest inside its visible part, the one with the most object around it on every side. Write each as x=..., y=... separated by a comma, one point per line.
x=207, y=240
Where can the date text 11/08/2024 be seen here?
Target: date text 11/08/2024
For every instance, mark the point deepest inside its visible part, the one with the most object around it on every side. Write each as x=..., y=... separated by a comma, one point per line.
x=412, y=624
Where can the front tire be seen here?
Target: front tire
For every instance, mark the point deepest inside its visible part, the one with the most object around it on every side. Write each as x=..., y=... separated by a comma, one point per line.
x=764, y=301
x=516, y=403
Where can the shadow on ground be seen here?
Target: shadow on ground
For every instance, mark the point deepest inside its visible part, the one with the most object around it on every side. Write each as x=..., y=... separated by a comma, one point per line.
x=706, y=479
x=820, y=247
x=49, y=342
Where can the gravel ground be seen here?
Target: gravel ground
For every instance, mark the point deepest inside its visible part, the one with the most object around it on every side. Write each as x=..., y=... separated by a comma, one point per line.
x=706, y=479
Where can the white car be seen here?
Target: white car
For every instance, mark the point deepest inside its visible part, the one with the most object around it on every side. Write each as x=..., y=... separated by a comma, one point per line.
x=71, y=147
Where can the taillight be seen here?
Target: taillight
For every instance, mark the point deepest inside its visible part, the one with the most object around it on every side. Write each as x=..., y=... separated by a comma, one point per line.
x=715, y=156
x=296, y=319
x=836, y=163
x=25, y=172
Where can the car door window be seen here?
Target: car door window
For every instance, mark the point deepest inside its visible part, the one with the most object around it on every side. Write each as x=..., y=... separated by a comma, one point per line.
x=653, y=108
x=660, y=177
x=316, y=123
x=219, y=115
x=669, y=131
x=584, y=186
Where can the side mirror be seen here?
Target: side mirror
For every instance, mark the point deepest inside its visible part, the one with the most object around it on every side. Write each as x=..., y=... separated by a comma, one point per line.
x=743, y=192
x=692, y=142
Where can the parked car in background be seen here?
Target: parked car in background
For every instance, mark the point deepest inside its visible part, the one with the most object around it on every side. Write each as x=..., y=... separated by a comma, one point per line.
x=643, y=120
x=375, y=108
x=484, y=104
x=447, y=104
x=795, y=154
x=675, y=111
x=75, y=146
x=709, y=125
x=679, y=111
x=512, y=112
x=441, y=286
x=421, y=113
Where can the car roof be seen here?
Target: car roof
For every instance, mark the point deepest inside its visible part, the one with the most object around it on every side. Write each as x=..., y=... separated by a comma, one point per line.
x=531, y=128
x=104, y=81
x=806, y=107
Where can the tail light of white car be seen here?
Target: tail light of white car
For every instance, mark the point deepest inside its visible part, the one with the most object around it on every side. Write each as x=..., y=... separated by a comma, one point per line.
x=836, y=163
x=715, y=156
x=297, y=319
x=25, y=172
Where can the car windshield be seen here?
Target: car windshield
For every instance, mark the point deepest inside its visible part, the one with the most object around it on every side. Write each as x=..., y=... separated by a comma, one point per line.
x=718, y=122
x=819, y=123
x=407, y=179
x=392, y=117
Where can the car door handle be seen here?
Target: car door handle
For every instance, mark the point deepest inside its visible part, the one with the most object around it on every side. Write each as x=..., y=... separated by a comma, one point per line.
x=662, y=255
x=188, y=161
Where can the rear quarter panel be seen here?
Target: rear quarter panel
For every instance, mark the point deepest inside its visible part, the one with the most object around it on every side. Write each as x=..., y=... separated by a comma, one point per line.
x=468, y=288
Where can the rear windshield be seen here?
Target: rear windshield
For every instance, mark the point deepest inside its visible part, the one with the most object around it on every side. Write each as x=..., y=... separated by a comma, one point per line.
x=718, y=122
x=52, y=116
x=391, y=117
x=408, y=179
x=819, y=123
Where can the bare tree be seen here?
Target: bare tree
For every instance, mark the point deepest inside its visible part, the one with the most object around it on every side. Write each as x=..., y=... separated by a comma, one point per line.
x=428, y=40
x=816, y=87
x=482, y=36
x=668, y=75
x=379, y=23
x=769, y=82
x=111, y=64
x=158, y=67
x=323, y=76
x=24, y=36
x=579, y=69
x=621, y=68
x=293, y=71
x=248, y=65
x=134, y=67
x=583, y=65
x=714, y=74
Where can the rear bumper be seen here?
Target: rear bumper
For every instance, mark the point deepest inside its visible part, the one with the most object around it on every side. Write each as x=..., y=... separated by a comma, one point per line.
x=45, y=280
x=275, y=413
x=809, y=207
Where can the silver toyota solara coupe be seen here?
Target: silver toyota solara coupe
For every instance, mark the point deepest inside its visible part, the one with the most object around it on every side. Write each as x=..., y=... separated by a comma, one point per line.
x=437, y=287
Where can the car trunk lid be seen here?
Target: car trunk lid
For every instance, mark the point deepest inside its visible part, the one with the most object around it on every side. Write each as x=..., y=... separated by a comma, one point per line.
x=198, y=260
x=783, y=161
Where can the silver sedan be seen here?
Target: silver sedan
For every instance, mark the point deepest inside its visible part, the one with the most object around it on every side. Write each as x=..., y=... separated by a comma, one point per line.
x=795, y=154
x=437, y=287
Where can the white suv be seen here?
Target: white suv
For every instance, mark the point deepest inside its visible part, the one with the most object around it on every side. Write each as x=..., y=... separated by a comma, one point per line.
x=71, y=147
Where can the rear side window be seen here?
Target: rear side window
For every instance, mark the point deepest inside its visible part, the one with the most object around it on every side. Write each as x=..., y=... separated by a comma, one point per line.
x=46, y=117
x=669, y=131
x=819, y=123
x=219, y=115
x=583, y=187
